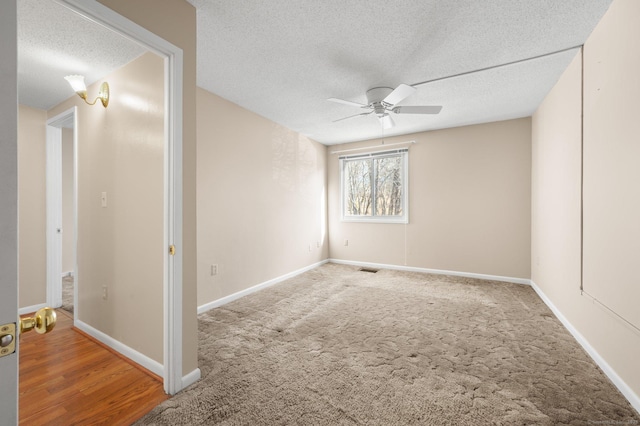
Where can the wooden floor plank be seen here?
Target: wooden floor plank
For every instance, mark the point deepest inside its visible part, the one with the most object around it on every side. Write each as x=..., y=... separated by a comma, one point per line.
x=49, y=416
x=69, y=379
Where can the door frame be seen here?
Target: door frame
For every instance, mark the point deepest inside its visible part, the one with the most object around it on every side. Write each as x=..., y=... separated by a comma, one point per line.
x=173, y=82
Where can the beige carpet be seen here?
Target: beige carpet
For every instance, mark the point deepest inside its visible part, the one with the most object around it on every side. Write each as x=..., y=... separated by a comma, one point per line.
x=338, y=346
x=67, y=294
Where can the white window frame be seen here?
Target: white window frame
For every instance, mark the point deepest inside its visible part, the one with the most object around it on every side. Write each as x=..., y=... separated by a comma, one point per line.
x=404, y=154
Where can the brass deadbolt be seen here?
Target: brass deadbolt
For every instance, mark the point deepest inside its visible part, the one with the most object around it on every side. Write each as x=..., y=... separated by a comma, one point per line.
x=7, y=339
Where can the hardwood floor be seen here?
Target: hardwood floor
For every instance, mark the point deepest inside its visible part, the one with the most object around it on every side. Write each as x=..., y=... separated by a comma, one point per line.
x=67, y=378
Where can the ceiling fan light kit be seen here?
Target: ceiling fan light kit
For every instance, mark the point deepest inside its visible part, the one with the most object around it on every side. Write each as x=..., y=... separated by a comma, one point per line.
x=383, y=100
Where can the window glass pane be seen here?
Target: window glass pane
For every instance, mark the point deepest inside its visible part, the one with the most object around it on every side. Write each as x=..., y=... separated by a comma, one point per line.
x=388, y=186
x=374, y=187
x=357, y=182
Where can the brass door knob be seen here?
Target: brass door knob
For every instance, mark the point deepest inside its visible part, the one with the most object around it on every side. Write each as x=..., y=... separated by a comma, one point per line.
x=43, y=321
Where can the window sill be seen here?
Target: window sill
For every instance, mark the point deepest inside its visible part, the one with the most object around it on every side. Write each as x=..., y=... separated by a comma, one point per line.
x=400, y=221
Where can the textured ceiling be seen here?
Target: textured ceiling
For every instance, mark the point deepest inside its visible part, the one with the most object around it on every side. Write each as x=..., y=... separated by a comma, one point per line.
x=54, y=42
x=283, y=58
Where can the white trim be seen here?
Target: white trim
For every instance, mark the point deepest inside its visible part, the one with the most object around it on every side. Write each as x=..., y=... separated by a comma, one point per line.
x=191, y=378
x=223, y=301
x=148, y=363
x=434, y=271
x=31, y=309
x=172, y=281
x=74, y=243
x=54, y=204
x=404, y=219
x=622, y=386
x=373, y=147
x=375, y=219
x=173, y=224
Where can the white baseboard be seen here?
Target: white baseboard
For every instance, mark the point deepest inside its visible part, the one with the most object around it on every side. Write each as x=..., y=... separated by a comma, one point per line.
x=524, y=281
x=223, y=301
x=31, y=309
x=148, y=363
x=628, y=393
x=191, y=378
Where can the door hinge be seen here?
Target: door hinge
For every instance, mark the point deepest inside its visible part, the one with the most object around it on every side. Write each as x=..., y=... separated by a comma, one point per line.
x=172, y=250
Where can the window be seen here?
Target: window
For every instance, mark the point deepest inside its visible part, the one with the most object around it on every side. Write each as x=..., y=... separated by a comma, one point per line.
x=374, y=187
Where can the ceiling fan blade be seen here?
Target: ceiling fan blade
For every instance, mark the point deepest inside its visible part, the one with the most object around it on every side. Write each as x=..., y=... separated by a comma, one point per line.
x=386, y=121
x=399, y=93
x=423, y=109
x=342, y=101
x=351, y=116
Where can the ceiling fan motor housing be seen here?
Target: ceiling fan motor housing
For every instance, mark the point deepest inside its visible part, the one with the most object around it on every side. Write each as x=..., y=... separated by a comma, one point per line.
x=375, y=97
x=377, y=94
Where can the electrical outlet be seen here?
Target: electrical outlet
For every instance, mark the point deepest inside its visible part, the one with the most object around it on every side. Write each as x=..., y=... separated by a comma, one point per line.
x=105, y=294
x=214, y=269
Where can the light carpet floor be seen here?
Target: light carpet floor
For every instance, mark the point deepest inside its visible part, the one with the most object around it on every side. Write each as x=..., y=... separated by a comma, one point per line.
x=337, y=346
x=67, y=293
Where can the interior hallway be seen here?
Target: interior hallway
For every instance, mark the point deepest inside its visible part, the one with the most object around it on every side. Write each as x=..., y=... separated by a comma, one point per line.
x=67, y=378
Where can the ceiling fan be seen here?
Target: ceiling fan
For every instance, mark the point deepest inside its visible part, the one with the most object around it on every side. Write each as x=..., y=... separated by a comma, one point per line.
x=383, y=100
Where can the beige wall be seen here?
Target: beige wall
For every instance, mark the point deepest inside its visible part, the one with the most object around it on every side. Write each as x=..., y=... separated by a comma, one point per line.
x=611, y=154
x=261, y=199
x=120, y=152
x=67, y=201
x=32, y=216
x=175, y=21
x=555, y=198
x=469, y=204
x=610, y=131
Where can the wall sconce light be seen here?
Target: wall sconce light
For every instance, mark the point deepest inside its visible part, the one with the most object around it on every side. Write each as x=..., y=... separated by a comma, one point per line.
x=77, y=84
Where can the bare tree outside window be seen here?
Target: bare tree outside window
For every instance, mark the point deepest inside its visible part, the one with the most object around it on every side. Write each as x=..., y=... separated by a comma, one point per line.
x=374, y=186
x=358, y=187
x=388, y=186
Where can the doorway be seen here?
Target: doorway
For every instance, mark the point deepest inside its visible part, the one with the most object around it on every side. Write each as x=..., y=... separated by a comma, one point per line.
x=61, y=140
x=169, y=364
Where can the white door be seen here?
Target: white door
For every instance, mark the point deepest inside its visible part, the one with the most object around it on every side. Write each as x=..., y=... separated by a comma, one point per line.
x=8, y=205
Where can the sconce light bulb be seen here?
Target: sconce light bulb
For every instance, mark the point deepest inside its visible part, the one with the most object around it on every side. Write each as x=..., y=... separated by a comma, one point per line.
x=77, y=83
